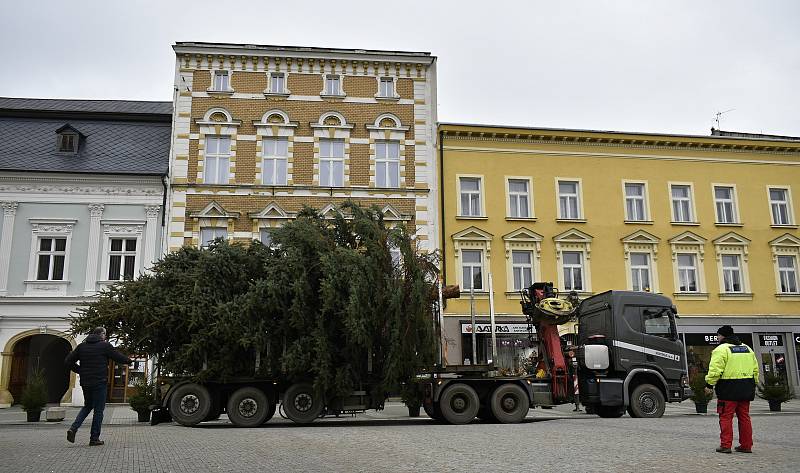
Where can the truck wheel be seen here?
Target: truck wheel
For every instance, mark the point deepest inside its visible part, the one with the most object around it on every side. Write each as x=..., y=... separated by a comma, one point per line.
x=459, y=404
x=190, y=404
x=302, y=403
x=610, y=412
x=509, y=404
x=433, y=411
x=248, y=407
x=647, y=401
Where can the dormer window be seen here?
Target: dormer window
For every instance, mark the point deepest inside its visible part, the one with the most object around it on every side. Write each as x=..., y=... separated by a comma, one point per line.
x=68, y=139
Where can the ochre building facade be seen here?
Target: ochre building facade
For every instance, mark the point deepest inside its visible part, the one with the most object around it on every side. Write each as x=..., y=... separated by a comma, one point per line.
x=709, y=221
x=261, y=131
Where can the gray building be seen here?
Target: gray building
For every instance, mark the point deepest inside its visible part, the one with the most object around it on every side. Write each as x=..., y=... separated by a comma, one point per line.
x=82, y=188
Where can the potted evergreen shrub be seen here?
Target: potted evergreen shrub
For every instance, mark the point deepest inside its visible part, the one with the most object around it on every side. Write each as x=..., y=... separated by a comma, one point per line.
x=776, y=390
x=411, y=394
x=699, y=396
x=142, y=399
x=34, y=396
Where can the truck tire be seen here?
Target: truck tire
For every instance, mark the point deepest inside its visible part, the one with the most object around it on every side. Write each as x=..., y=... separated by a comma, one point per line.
x=248, y=407
x=509, y=404
x=647, y=401
x=459, y=404
x=610, y=412
x=302, y=403
x=433, y=411
x=190, y=404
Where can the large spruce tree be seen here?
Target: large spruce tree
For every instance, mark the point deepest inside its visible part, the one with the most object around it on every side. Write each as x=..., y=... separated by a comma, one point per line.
x=325, y=302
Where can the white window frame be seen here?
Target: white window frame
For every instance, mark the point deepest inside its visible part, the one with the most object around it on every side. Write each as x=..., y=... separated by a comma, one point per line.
x=638, y=270
x=331, y=161
x=785, y=272
x=732, y=244
x=283, y=89
x=578, y=196
x=692, y=244
x=121, y=229
x=124, y=254
x=734, y=203
x=521, y=268
x=464, y=286
x=581, y=266
x=522, y=239
x=645, y=199
x=51, y=254
x=791, y=222
x=692, y=220
x=386, y=94
x=528, y=195
x=786, y=245
x=472, y=238
x=481, y=204
x=642, y=242
x=221, y=72
x=687, y=269
x=215, y=229
x=326, y=89
x=271, y=142
x=48, y=228
x=729, y=271
x=574, y=240
x=217, y=157
x=387, y=160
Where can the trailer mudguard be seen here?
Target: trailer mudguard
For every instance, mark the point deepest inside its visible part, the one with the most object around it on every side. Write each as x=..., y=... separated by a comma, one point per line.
x=634, y=372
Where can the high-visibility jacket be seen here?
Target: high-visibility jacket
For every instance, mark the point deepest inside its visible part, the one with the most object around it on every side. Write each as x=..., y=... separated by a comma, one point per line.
x=733, y=371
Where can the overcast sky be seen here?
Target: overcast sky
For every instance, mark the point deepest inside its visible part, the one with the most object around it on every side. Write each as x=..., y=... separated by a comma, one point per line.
x=659, y=66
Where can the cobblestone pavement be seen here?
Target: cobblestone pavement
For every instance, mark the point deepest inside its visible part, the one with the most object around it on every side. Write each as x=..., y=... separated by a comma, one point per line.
x=387, y=441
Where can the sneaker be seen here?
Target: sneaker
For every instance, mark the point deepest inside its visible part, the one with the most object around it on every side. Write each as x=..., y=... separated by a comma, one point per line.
x=723, y=450
x=71, y=436
x=93, y=443
x=743, y=450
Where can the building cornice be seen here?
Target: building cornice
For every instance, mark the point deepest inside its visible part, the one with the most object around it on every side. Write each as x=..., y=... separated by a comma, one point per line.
x=228, y=49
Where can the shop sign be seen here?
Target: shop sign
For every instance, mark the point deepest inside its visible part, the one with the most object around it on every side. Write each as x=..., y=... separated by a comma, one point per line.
x=498, y=328
x=695, y=339
x=770, y=340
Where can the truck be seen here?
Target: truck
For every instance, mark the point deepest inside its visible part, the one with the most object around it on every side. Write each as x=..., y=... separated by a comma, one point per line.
x=624, y=356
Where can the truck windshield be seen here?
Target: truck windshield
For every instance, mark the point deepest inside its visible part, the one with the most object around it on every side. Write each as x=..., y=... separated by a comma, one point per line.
x=659, y=322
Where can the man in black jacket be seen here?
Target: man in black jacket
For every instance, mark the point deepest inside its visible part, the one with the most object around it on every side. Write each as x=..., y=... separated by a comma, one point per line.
x=93, y=355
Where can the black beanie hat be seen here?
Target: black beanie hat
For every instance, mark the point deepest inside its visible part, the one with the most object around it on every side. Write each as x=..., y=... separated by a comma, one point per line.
x=725, y=331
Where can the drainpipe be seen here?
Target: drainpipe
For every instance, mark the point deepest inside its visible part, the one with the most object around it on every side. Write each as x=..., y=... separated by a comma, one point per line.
x=441, y=205
x=164, y=201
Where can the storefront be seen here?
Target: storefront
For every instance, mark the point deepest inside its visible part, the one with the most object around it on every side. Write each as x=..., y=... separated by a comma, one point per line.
x=775, y=341
x=513, y=343
x=122, y=379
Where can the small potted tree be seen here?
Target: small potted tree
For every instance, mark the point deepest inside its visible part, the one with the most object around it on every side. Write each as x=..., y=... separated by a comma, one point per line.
x=34, y=396
x=143, y=397
x=411, y=394
x=775, y=390
x=699, y=396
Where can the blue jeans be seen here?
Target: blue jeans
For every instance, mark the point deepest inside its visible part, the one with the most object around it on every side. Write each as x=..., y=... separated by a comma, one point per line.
x=94, y=399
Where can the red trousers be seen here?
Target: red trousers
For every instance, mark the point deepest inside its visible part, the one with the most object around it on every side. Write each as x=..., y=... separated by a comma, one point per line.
x=726, y=409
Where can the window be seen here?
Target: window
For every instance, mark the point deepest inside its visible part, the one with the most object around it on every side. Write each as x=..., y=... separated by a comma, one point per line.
x=277, y=83
x=681, y=203
x=787, y=269
x=568, y=200
x=386, y=87
x=50, y=259
x=731, y=273
x=518, y=198
x=331, y=163
x=387, y=163
x=217, y=159
x=725, y=205
x=470, y=196
x=333, y=85
x=472, y=269
x=221, y=81
x=209, y=234
x=573, y=270
x=640, y=271
x=657, y=323
x=266, y=236
x=275, y=152
x=779, y=204
x=122, y=259
x=522, y=268
x=67, y=143
x=635, y=207
x=687, y=273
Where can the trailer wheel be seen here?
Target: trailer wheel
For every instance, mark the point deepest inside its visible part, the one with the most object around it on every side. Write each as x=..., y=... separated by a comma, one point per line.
x=509, y=404
x=302, y=403
x=248, y=407
x=610, y=412
x=190, y=404
x=433, y=411
x=647, y=401
x=459, y=404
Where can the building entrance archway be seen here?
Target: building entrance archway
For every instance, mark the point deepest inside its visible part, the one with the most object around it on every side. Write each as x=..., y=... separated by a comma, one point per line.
x=36, y=349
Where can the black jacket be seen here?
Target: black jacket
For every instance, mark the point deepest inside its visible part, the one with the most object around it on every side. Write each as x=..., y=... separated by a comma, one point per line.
x=93, y=355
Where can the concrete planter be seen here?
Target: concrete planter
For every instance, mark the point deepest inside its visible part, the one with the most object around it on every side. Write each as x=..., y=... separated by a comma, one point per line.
x=55, y=414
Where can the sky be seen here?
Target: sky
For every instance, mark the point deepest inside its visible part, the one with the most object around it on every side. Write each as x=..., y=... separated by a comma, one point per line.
x=649, y=66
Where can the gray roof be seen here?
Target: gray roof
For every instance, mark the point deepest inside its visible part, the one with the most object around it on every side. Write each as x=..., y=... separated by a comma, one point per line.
x=109, y=146
x=85, y=106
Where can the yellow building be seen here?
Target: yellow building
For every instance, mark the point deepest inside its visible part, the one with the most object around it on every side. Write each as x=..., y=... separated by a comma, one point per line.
x=708, y=221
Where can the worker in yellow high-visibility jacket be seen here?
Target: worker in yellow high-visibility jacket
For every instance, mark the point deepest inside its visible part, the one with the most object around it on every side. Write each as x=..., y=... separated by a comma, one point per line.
x=733, y=372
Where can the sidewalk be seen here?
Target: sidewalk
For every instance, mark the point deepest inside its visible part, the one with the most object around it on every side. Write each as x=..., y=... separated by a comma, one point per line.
x=122, y=414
